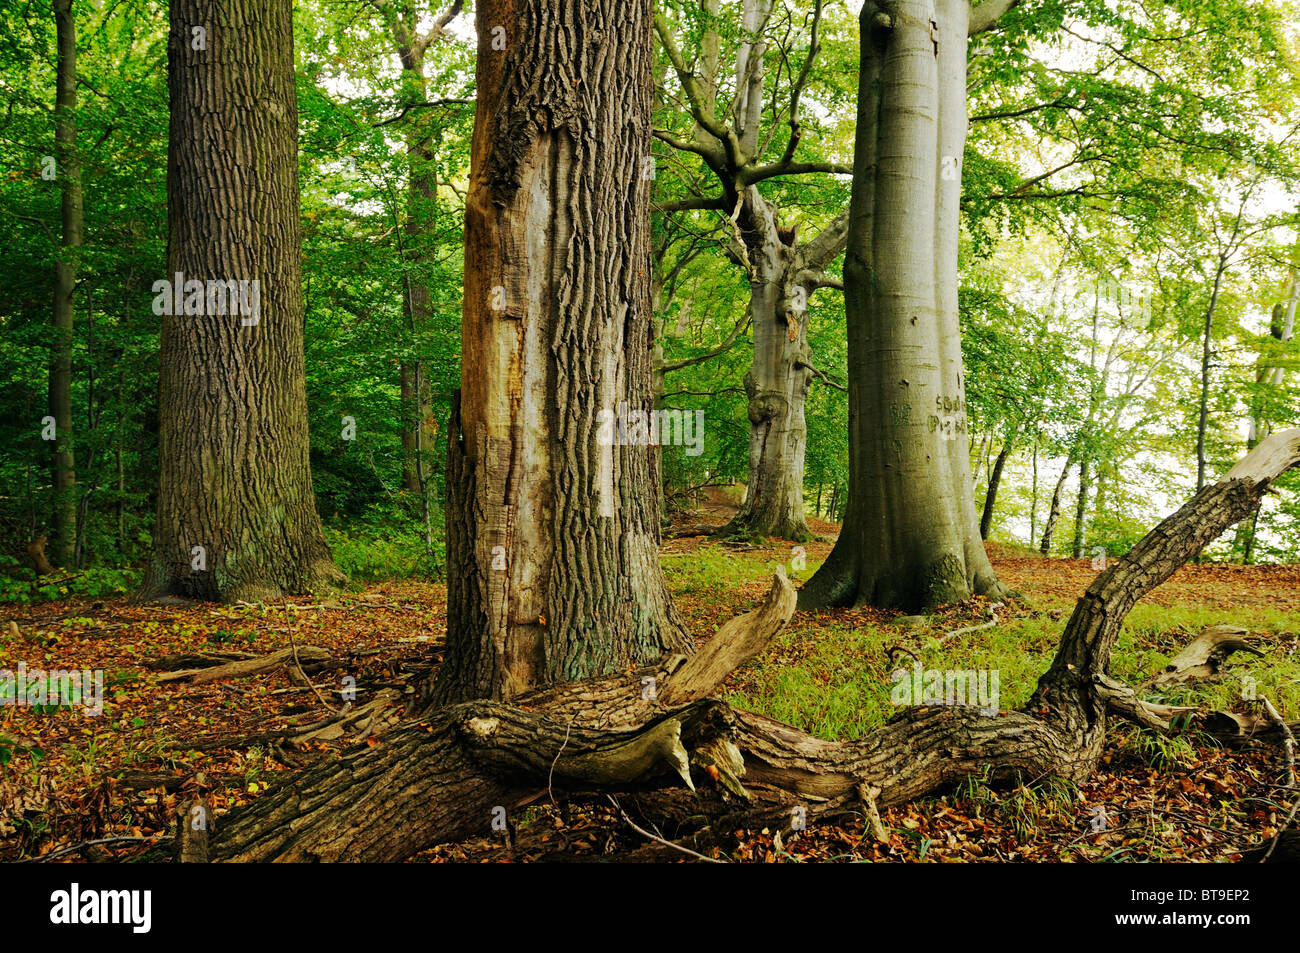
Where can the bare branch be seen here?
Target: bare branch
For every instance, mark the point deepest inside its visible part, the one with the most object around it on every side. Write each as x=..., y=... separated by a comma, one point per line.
x=983, y=16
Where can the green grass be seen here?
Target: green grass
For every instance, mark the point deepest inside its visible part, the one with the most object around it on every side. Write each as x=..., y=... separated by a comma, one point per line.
x=715, y=568
x=834, y=680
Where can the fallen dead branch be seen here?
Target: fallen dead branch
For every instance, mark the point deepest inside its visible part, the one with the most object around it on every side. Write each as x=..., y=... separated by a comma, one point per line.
x=317, y=658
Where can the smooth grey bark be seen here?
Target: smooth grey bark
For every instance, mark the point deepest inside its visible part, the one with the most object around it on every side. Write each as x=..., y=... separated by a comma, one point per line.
x=1207, y=339
x=783, y=272
x=911, y=534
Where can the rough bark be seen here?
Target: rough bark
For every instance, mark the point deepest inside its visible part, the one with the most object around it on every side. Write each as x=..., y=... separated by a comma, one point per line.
x=236, y=512
x=68, y=172
x=552, y=529
x=911, y=534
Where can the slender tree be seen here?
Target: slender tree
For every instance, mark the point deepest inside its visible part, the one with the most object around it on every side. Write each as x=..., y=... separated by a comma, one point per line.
x=68, y=172
x=236, y=513
x=552, y=523
x=412, y=44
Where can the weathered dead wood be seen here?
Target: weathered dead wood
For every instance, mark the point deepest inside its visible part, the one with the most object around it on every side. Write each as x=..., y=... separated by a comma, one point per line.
x=1204, y=656
x=195, y=660
x=439, y=778
x=308, y=655
x=736, y=642
x=686, y=532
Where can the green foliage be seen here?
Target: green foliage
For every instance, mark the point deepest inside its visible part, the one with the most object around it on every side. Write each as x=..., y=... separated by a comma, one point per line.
x=369, y=552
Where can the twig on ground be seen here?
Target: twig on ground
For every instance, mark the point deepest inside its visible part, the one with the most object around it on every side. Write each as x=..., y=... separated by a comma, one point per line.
x=654, y=837
x=102, y=840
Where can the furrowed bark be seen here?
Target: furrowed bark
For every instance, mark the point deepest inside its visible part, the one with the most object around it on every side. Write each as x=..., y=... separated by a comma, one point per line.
x=237, y=514
x=551, y=521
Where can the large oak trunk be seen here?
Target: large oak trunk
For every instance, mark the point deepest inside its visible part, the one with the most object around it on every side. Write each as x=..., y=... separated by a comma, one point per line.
x=552, y=528
x=236, y=513
x=911, y=534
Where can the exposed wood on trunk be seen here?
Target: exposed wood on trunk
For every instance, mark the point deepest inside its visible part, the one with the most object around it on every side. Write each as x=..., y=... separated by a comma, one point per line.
x=737, y=641
x=552, y=527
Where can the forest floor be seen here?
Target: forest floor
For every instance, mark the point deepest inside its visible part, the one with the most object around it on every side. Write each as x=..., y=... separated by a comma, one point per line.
x=67, y=778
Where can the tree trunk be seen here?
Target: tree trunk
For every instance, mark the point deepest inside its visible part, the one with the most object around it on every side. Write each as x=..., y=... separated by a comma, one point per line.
x=1207, y=339
x=1081, y=511
x=1033, y=496
x=419, y=228
x=236, y=511
x=777, y=381
x=68, y=171
x=552, y=529
x=911, y=534
x=481, y=760
x=1054, y=508
x=1282, y=328
x=995, y=480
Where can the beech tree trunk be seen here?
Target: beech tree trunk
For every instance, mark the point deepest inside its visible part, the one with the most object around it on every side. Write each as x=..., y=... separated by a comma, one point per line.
x=1282, y=328
x=911, y=534
x=777, y=381
x=1207, y=352
x=479, y=758
x=236, y=511
x=552, y=529
x=782, y=271
x=68, y=174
